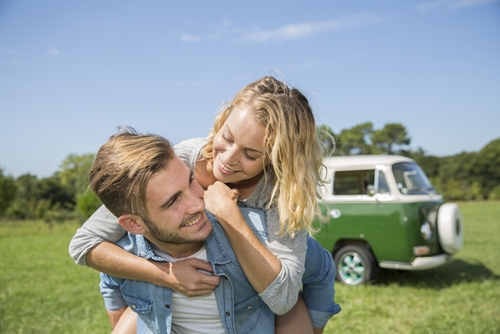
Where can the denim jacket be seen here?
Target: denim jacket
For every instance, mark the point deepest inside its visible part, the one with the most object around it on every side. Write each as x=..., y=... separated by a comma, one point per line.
x=240, y=307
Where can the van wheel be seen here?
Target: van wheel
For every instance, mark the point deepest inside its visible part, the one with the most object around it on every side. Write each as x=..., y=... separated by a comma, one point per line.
x=355, y=265
x=450, y=228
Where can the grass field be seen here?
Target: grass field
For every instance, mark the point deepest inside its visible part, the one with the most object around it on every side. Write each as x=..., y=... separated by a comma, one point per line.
x=43, y=291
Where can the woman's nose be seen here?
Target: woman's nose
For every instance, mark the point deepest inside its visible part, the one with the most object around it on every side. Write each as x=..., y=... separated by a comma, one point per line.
x=231, y=156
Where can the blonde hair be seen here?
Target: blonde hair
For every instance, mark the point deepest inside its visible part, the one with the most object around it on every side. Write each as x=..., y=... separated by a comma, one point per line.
x=291, y=147
x=123, y=167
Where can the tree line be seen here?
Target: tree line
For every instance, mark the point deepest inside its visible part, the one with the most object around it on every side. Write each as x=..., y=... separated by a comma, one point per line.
x=461, y=177
x=65, y=195
x=58, y=198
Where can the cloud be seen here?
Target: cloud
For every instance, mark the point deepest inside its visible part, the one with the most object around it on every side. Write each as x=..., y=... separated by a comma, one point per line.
x=193, y=38
x=190, y=38
x=294, y=31
x=451, y=4
x=291, y=31
x=53, y=52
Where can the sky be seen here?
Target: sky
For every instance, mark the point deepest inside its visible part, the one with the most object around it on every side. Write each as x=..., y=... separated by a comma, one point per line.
x=72, y=72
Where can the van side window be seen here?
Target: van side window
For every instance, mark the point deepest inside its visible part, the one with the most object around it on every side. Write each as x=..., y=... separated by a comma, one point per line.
x=361, y=182
x=353, y=182
x=383, y=187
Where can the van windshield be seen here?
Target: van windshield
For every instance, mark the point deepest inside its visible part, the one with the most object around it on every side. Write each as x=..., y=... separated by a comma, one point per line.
x=411, y=179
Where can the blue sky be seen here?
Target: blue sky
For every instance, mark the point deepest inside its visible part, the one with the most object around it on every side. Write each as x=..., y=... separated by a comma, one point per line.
x=71, y=72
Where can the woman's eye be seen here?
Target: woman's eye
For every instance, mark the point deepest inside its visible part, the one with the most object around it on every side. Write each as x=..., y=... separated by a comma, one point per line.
x=227, y=139
x=249, y=157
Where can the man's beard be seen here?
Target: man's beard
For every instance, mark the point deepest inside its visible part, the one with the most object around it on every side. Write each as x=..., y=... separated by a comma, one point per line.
x=171, y=238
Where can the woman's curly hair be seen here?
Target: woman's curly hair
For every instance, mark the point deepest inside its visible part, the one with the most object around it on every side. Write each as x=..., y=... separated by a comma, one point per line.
x=292, y=149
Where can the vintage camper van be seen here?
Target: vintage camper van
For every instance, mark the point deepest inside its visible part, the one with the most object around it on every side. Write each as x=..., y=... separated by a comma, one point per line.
x=384, y=212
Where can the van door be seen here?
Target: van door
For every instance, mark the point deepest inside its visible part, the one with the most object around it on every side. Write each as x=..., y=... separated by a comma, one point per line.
x=362, y=208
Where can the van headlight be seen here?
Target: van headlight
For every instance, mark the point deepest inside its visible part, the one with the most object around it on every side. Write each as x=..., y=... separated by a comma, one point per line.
x=426, y=231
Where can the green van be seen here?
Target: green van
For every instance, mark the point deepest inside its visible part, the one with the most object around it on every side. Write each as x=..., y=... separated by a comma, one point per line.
x=385, y=213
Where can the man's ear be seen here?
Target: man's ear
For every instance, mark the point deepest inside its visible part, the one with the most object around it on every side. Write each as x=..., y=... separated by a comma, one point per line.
x=132, y=223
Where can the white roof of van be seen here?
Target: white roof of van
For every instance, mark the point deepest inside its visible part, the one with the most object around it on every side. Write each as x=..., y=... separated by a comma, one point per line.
x=365, y=160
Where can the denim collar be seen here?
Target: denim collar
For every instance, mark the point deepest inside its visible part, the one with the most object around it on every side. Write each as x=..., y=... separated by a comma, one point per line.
x=145, y=250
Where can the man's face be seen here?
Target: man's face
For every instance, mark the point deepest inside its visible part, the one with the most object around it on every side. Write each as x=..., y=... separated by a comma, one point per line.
x=176, y=207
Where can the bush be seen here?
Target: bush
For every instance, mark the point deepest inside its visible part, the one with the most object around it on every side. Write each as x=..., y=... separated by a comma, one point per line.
x=88, y=203
x=59, y=215
x=495, y=193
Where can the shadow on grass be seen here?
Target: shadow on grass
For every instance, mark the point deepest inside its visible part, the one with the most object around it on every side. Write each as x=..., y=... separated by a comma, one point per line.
x=455, y=272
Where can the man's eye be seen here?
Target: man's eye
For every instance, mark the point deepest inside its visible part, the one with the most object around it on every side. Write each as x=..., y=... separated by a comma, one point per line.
x=172, y=202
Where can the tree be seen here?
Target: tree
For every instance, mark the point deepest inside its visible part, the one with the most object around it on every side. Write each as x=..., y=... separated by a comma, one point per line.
x=74, y=173
x=88, y=203
x=487, y=169
x=354, y=141
x=385, y=140
x=460, y=171
x=453, y=191
x=51, y=188
x=7, y=191
x=24, y=206
x=429, y=163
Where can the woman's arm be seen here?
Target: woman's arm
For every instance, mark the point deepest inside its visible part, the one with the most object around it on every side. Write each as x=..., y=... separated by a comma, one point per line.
x=292, y=254
x=101, y=226
x=182, y=276
x=93, y=245
x=263, y=269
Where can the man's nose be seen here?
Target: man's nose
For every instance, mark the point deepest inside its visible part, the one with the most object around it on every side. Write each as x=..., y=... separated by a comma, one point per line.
x=196, y=198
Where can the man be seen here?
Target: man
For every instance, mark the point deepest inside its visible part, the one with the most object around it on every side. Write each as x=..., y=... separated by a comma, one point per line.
x=160, y=204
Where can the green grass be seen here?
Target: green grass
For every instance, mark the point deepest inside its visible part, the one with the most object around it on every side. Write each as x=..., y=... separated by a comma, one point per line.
x=43, y=291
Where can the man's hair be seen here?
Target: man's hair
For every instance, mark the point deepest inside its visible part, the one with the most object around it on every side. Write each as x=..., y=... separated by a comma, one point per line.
x=123, y=167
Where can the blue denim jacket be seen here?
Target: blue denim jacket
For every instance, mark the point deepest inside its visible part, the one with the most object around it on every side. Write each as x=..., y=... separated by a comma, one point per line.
x=240, y=307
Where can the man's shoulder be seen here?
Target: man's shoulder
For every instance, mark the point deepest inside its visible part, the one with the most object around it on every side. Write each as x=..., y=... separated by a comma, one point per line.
x=136, y=244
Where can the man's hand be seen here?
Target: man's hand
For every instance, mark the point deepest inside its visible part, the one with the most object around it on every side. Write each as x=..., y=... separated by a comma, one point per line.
x=190, y=277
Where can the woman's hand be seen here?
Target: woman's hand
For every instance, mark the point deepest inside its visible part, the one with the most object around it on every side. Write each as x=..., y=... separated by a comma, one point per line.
x=185, y=276
x=190, y=277
x=222, y=202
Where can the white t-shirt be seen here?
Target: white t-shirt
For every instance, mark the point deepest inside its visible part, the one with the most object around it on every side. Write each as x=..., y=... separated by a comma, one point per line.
x=197, y=314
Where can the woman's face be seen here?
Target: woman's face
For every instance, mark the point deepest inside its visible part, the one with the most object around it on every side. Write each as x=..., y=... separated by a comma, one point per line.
x=238, y=147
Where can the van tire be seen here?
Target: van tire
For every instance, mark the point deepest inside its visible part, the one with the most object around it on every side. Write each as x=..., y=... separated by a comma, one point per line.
x=355, y=265
x=450, y=228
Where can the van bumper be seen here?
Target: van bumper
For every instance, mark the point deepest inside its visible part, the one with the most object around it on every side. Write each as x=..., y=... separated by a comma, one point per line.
x=420, y=263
